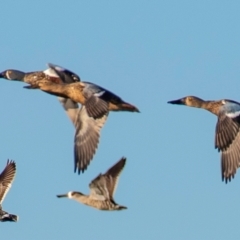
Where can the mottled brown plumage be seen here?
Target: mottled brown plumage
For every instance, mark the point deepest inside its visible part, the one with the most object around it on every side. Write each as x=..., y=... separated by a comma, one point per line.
x=78, y=92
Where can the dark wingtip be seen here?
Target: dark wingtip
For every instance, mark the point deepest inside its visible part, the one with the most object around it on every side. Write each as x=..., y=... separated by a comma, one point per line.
x=227, y=179
x=123, y=161
x=79, y=170
x=80, y=165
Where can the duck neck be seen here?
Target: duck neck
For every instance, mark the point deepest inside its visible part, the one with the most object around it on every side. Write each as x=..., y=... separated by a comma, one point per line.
x=80, y=197
x=210, y=106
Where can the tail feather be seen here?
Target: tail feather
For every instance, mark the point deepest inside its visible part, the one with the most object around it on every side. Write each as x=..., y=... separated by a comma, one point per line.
x=128, y=107
x=119, y=207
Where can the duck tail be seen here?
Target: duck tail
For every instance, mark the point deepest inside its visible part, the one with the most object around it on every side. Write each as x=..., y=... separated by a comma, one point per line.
x=128, y=107
x=119, y=207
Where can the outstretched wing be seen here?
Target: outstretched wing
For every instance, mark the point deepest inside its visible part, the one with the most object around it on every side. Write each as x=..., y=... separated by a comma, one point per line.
x=66, y=75
x=112, y=176
x=86, y=138
x=104, y=186
x=227, y=139
x=6, y=179
x=98, y=188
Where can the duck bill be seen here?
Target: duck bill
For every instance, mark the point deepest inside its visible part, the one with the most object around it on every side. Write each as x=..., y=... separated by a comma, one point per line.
x=62, y=195
x=2, y=75
x=178, y=101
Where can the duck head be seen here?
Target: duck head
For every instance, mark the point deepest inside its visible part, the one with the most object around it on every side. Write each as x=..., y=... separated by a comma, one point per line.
x=190, y=101
x=12, y=74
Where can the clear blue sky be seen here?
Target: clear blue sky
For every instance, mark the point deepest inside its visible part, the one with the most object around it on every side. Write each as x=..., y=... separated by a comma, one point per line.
x=147, y=52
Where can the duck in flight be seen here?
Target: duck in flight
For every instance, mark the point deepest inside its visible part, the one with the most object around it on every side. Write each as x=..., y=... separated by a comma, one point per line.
x=102, y=189
x=97, y=100
x=227, y=135
x=89, y=119
x=6, y=179
x=96, y=103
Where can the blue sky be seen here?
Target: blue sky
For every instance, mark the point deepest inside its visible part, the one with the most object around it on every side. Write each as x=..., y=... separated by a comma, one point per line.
x=147, y=52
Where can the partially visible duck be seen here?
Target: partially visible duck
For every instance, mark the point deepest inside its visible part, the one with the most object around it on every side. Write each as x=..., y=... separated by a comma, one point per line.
x=227, y=136
x=6, y=179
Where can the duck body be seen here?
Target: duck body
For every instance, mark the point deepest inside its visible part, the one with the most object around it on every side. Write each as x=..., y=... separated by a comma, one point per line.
x=98, y=100
x=105, y=204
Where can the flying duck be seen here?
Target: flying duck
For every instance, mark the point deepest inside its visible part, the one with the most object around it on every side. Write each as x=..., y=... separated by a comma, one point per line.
x=227, y=135
x=96, y=103
x=102, y=189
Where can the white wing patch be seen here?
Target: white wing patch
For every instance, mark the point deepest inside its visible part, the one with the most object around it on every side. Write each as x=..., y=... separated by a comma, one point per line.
x=99, y=94
x=233, y=114
x=50, y=72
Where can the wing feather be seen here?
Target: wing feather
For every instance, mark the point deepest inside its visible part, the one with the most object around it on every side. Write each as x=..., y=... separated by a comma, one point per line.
x=6, y=179
x=86, y=138
x=227, y=140
x=104, y=185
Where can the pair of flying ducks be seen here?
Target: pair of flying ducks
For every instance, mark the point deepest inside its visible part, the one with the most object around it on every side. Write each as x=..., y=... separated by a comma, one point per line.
x=102, y=190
